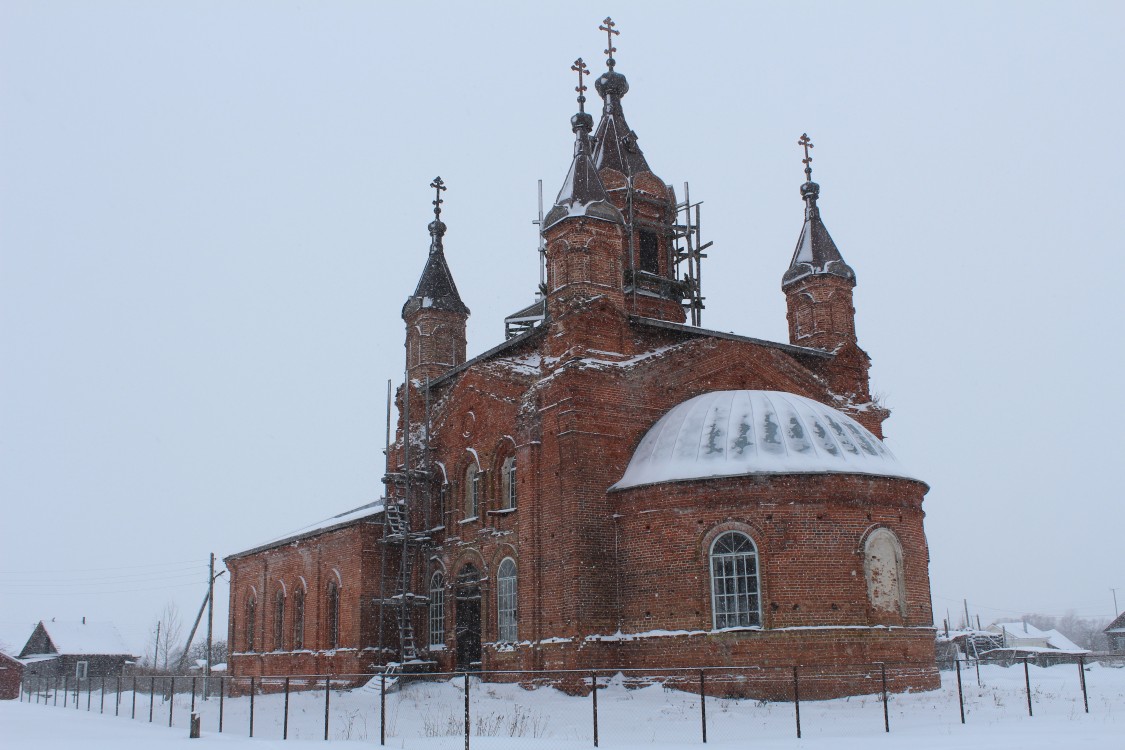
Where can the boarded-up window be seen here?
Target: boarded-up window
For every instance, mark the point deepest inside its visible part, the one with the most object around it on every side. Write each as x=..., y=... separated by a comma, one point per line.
x=882, y=565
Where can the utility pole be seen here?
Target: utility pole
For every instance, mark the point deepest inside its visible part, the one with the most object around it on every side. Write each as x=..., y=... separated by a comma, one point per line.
x=210, y=611
x=1116, y=611
x=156, y=650
x=968, y=622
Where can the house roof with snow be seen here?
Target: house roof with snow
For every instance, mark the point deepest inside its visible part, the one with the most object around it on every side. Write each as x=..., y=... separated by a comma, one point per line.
x=61, y=638
x=736, y=433
x=1027, y=636
x=1117, y=626
x=331, y=523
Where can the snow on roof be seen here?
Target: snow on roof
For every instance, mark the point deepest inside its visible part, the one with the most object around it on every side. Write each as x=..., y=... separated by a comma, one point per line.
x=85, y=638
x=1117, y=626
x=340, y=519
x=734, y=433
x=1057, y=640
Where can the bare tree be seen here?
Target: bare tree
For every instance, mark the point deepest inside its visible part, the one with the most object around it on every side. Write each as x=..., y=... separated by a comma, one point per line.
x=167, y=646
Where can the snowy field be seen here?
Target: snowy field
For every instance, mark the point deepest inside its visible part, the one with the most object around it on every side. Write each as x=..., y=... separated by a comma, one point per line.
x=430, y=716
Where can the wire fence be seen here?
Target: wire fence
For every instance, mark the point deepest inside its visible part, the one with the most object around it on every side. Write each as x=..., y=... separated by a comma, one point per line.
x=599, y=708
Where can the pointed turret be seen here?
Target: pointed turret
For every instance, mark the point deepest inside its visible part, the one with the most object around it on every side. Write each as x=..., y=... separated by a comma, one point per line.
x=584, y=234
x=435, y=315
x=816, y=253
x=818, y=294
x=617, y=147
x=818, y=284
x=582, y=192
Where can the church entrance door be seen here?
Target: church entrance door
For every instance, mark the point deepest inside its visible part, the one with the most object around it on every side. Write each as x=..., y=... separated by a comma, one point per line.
x=468, y=619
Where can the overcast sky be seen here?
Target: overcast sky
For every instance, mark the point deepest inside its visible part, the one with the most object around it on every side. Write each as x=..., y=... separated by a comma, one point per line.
x=211, y=214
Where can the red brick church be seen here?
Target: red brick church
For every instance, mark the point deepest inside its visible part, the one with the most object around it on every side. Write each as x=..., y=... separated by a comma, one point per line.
x=613, y=485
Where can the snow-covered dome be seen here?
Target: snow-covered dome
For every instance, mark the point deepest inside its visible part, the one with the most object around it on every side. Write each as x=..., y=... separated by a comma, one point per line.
x=732, y=433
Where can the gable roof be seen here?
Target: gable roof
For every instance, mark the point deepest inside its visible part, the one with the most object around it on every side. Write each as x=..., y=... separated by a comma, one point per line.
x=75, y=638
x=1117, y=626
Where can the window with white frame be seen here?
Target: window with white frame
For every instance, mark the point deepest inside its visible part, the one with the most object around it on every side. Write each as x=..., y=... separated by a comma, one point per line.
x=734, y=582
x=472, y=491
x=509, y=489
x=81, y=670
x=506, y=601
x=437, y=609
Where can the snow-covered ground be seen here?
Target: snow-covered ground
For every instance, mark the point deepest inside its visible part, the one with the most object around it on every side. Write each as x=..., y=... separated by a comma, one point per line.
x=431, y=716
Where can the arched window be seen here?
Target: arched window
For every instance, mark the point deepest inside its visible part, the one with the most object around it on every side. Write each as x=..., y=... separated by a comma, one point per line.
x=472, y=491
x=279, y=621
x=298, y=619
x=251, y=607
x=882, y=566
x=734, y=582
x=332, y=615
x=506, y=601
x=508, y=491
x=437, y=609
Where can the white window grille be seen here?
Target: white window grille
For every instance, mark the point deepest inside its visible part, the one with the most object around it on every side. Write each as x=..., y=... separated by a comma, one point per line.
x=734, y=582
x=437, y=610
x=81, y=669
x=472, y=491
x=506, y=601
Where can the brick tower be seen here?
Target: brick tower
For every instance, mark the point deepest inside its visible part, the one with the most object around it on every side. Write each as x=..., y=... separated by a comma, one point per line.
x=435, y=316
x=647, y=205
x=584, y=236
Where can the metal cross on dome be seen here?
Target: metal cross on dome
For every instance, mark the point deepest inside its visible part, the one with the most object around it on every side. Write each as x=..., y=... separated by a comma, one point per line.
x=438, y=185
x=580, y=67
x=607, y=27
x=805, y=141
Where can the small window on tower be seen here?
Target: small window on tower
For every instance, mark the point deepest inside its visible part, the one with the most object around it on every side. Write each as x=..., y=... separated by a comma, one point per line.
x=650, y=252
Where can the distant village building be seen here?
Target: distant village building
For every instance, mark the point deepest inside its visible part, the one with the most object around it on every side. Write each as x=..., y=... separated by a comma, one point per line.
x=1014, y=641
x=1115, y=632
x=613, y=485
x=78, y=650
x=11, y=676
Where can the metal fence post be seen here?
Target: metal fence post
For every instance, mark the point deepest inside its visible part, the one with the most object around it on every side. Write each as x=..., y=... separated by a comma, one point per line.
x=251, y=706
x=117, y=698
x=222, y=692
x=134, y=696
x=101, y=697
x=1082, y=680
x=886, y=708
x=1027, y=683
x=467, y=725
x=66, y=690
x=960, y=694
x=89, y=693
x=383, y=709
x=327, y=698
x=594, y=693
x=285, y=721
x=193, y=695
x=151, y=697
x=703, y=706
x=797, y=701
x=171, y=699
